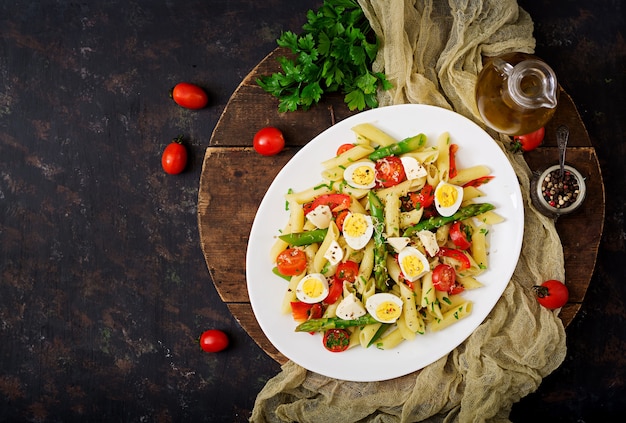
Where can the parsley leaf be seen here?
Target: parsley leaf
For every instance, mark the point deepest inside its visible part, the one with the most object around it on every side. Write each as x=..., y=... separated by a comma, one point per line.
x=334, y=53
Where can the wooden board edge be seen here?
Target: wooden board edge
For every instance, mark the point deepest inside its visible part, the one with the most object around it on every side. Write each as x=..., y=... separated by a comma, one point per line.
x=245, y=317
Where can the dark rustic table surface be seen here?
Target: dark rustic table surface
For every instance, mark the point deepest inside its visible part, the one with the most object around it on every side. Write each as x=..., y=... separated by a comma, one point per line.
x=103, y=285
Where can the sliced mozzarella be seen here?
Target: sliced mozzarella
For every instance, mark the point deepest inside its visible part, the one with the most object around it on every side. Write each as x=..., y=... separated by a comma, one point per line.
x=350, y=308
x=334, y=254
x=398, y=242
x=429, y=241
x=412, y=168
x=320, y=216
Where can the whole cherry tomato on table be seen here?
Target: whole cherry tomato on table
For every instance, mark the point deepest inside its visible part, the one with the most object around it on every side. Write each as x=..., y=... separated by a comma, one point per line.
x=174, y=158
x=528, y=142
x=552, y=294
x=189, y=96
x=268, y=141
x=213, y=340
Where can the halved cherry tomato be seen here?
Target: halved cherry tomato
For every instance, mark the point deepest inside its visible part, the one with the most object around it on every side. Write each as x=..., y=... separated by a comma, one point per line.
x=213, y=340
x=336, y=340
x=344, y=147
x=444, y=277
x=291, y=262
x=347, y=271
x=336, y=202
x=455, y=254
x=389, y=171
x=478, y=181
x=189, y=96
x=174, y=158
x=334, y=291
x=268, y=141
x=423, y=198
x=300, y=310
x=341, y=216
x=552, y=294
x=452, y=172
x=528, y=142
x=461, y=235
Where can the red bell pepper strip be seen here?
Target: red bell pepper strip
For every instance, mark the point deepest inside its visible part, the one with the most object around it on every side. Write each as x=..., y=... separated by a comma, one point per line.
x=478, y=181
x=453, y=171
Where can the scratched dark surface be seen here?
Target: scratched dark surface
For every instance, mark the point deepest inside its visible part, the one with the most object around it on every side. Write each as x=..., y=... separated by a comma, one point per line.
x=103, y=285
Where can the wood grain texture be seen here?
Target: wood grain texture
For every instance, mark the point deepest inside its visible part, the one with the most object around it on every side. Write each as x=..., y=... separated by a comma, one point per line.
x=226, y=208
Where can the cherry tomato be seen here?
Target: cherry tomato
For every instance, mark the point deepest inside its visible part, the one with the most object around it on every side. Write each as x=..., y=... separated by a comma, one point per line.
x=389, y=171
x=455, y=254
x=291, y=262
x=552, y=294
x=189, y=96
x=528, y=142
x=347, y=271
x=344, y=147
x=444, y=277
x=336, y=202
x=336, y=340
x=268, y=141
x=174, y=158
x=461, y=235
x=213, y=340
x=341, y=216
x=423, y=198
x=334, y=291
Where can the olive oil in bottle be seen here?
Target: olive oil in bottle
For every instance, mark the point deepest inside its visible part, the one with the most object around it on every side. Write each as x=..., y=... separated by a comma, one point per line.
x=516, y=93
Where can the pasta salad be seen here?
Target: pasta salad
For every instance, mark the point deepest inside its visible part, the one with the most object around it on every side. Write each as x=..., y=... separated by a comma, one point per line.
x=381, y=250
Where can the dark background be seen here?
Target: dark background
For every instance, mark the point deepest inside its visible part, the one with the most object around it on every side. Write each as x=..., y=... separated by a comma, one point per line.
x=103, y=285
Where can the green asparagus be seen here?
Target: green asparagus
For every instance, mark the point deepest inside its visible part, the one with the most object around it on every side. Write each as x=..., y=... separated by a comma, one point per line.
x=401, y=147
x=434, y=222
x=326, y=323
x=299, y=239
x=380, y=249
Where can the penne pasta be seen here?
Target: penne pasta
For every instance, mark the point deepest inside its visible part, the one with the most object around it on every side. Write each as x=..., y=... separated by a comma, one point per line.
x=443, y=157
x=451, y=316
x=348, y=157
x=373, y=134
x=467, y=174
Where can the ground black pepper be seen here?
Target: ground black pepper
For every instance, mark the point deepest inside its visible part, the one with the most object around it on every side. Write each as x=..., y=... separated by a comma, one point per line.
x=560, y=191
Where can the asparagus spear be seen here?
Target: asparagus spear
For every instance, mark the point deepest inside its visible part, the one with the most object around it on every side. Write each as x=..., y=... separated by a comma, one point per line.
x=401, y=147
x=304, y=238
x=434, y=222
x=326, y=323
x=380, y=250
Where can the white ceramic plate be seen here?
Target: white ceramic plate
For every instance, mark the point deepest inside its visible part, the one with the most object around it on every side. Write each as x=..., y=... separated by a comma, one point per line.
x=303, y=171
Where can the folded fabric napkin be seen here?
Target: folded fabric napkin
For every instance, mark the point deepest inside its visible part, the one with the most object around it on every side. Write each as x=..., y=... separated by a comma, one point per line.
x=432, y=53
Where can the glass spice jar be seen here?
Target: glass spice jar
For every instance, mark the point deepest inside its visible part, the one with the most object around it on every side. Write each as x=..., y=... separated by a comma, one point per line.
x=554, y=194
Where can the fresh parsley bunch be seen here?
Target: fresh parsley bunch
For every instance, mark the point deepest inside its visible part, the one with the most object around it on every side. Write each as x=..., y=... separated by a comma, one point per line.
x=333, y=54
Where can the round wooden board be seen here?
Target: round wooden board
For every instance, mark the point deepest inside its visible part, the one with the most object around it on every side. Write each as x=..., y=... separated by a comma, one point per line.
x=234, y=180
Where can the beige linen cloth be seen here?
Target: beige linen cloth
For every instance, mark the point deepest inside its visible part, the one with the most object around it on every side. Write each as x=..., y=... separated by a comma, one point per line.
x=432, y=52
